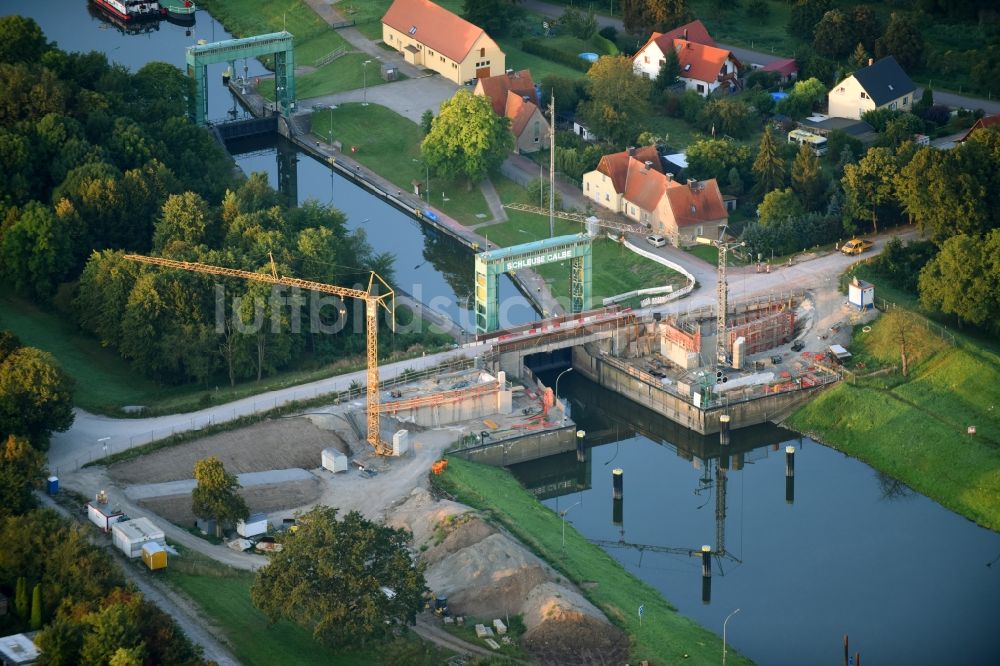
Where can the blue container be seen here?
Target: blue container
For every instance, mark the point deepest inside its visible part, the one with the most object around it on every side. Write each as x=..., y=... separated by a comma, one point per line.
x=52, y=487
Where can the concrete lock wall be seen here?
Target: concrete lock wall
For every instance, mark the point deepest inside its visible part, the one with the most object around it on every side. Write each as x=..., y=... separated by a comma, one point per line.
x=521, y=449
x=471, y=407
x=677, y=409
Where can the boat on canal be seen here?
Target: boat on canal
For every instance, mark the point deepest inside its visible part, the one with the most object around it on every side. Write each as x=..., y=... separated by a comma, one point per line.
x=180, y=12
x=132, y=10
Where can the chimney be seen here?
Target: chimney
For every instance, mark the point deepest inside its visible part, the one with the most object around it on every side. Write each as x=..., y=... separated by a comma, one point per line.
x=670, y=177
x=685, y=33
x=631, y=151
x=871, y=61
x=526, y=98
x=648, y=164
x=693, y=184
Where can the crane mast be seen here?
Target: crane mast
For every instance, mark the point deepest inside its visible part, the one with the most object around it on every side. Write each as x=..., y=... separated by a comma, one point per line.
x=370, y=296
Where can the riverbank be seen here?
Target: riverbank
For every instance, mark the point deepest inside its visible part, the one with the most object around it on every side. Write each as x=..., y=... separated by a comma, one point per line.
x=916, y=429
x=664, y=636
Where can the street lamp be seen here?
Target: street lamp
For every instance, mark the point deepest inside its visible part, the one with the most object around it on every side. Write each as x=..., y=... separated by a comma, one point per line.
x=558, y=377
x=332, y=107
x=103, y=441
x=724, y=635
x=364, y=68
x=563, y=515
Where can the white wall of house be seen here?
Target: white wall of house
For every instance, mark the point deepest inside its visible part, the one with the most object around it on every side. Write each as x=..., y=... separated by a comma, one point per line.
x=647, y=61
x=849, y=100
x=599, y=188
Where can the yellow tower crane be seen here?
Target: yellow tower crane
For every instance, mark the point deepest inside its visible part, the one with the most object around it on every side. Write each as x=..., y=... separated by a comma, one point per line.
x=372, y=302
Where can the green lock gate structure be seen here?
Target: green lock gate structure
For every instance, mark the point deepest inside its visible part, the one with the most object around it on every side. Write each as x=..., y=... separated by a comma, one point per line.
x=278, y=44
x=490, y=264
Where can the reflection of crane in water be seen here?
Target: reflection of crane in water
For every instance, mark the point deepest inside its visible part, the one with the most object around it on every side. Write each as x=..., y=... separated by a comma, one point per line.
x=705, y=484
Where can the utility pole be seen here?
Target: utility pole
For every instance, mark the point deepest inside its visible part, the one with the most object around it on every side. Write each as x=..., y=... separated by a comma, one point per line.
x=552, y=164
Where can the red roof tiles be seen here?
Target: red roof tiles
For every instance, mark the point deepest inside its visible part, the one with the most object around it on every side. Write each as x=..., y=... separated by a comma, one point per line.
x=434, y=27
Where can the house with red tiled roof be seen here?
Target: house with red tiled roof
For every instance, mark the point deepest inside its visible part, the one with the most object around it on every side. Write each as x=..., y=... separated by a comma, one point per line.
x=513, y=95
x=703, y=65
x=633, y=183
x=431, y=37
x=982, y=123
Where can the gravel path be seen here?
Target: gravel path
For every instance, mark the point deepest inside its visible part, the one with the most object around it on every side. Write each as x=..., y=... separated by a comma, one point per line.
x=184, y=487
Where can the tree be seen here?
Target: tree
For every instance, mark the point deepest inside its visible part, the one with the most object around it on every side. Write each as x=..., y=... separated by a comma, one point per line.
x=713, y=158
x=35, y=252
x=758, y=10
x=467, y=139
x=926, y=101
x=113, y=627
x=779, y=206
x=768, y=165
x=728, y=117
x=21, y=40
x=858, y=58
x=185, y=218
x=215, y=496
x=9, y=343
x=60, y=641
x=865, y=26
x=903, y=40
x=21, y=598
x=834, y=35
x=643, y=16
x=870, y=183
x=803, y=17
x=568, y=93
x=21, y=469
x=426, y=122
x=735, y=184
x=580, y=25
x=496, y=17
x=964, y=280
x=803, y=96
x=36, y=396
x=807, y=179
x=619, y=99
x=36, y=607
x=670, y=68
x=899, y=328
x=331, y=577
x=901, y=129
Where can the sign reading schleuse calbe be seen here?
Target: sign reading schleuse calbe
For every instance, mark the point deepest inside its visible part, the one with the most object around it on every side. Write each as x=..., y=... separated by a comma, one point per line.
x=528, y=262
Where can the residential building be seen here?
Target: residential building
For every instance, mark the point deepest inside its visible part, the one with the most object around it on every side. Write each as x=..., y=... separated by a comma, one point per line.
x=431, y=37
x=703, y=66
x=633, y=183
x=982, y=123
x=513, y=95
x=880, y=85
x=786, y=68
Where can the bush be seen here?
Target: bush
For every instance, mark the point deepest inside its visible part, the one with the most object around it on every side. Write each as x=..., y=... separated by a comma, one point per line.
x=764, y=80
x=539, y=48
x=608, y=32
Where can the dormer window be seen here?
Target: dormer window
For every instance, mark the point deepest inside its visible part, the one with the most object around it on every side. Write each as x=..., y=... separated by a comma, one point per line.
x=413, y=30
x=687, y=67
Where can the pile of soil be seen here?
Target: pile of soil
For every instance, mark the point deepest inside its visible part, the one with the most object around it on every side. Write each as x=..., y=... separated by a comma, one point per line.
x=485, y=572
x=275, y=444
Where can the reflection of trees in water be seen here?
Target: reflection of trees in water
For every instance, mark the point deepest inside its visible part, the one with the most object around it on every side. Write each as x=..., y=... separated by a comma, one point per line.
x=892, y=489
x=450, y=259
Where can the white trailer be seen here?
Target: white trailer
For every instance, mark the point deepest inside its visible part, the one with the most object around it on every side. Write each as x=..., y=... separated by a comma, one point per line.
x=130, y=535
x=102, y=516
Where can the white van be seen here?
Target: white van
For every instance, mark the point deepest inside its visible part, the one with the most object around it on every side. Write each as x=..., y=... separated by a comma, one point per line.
x=814, y=141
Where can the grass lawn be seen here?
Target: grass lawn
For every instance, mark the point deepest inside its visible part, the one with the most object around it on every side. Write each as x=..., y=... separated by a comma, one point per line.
x=345, y=73
x=540, y=67
x=915, y=428
x=243, y=18
x=665, y=637
x=224, y=596
x=710, y=254
x=389, y=145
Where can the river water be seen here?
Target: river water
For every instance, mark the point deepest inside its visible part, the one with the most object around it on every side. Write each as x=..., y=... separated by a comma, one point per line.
x=854, y=552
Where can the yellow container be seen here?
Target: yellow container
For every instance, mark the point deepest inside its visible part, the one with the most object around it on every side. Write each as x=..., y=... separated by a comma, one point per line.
x=154, y=556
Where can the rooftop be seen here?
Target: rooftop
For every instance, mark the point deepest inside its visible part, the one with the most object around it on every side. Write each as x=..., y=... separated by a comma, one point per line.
x=434, y=26
x=138, y=528
x=884, y=80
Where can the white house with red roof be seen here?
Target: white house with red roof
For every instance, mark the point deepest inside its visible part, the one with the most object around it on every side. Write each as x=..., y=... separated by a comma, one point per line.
x=431, y=37
x=703, y=66
x=513, y=95
x=632, y=182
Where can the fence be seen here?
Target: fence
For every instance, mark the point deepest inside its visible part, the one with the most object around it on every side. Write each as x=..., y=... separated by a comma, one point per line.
x=885, y=306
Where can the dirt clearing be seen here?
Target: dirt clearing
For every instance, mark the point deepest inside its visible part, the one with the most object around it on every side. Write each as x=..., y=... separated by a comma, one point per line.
x=274, y=444
x=266, y=497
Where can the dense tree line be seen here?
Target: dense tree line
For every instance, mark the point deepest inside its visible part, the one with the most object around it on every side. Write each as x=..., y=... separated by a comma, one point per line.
x=101, y=162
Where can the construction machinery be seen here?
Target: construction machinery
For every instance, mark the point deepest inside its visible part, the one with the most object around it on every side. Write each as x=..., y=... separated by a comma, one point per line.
x=722, y=296
x=370, y=296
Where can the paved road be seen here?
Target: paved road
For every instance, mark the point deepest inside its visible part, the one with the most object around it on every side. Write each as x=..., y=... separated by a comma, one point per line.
x=759, y=57
x=170, y=603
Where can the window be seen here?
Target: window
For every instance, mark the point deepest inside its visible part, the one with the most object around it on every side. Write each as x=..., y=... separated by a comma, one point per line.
x=454, y=65
x=413, y=30
x=687, y=67
x=607, y=197
x=482, y=52
x=587, y=185
x=864, y=95
x=701, y=88
x=645, y=59
x=442, y=58
x=429, y=52
x=662, y=60
x=892, y=106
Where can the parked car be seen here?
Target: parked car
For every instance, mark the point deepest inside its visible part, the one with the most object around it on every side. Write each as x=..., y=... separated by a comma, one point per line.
x=656, y=241
x=798, y=345
x=856, y=246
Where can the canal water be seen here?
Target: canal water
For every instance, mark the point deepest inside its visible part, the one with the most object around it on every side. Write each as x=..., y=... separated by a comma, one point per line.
x=430, y=266
x=853, y=552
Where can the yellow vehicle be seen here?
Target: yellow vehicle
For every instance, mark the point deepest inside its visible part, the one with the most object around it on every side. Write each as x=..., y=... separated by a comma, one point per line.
x=856, y=246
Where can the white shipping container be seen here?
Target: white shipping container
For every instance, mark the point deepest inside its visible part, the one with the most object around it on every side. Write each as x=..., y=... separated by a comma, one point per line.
x=130, y=535
x=254, y=525
x=334, y=460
